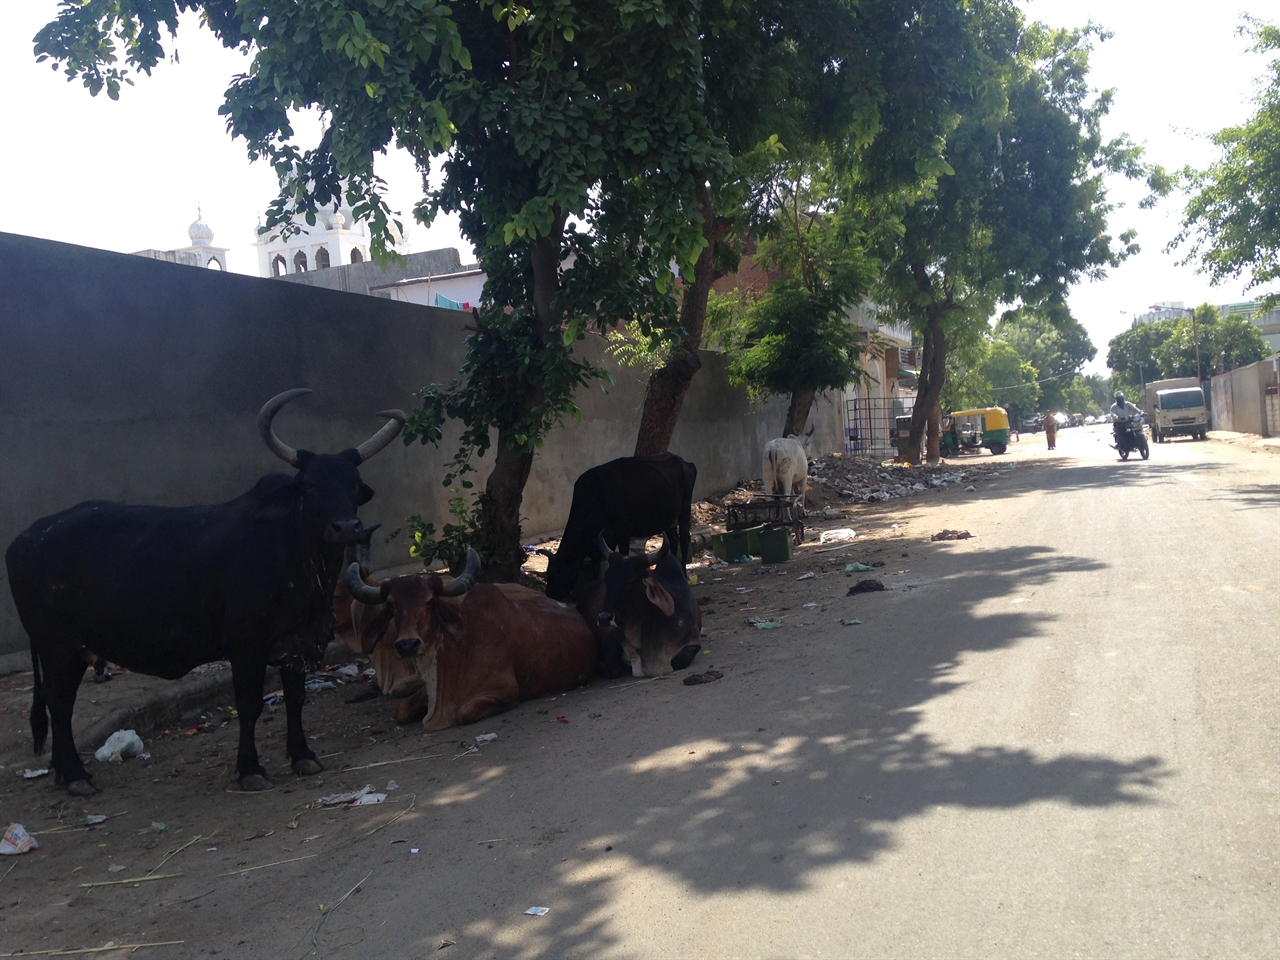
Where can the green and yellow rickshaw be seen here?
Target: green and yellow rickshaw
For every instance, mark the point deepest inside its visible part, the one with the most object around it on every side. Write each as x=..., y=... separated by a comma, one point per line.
x=967, y=431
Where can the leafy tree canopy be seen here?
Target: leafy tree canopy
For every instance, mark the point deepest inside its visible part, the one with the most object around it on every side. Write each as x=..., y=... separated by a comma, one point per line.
x=1023, y=212
x=1232, y=219
x=1053, y=341
x=1012, y=379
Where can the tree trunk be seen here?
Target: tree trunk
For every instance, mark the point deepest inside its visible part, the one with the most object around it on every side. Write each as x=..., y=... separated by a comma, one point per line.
x=933, y=446
x=933, y=374
x=499, y=505
x=798, y=411
x=499, y=512
x=669, y=384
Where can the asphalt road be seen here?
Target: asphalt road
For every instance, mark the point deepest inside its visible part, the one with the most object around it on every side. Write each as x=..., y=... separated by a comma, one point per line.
x=1057, y=738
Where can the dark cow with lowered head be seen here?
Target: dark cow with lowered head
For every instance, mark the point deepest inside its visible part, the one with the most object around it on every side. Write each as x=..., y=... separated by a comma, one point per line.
x=643, y=613
x=161, y=590
x=624, y=498
x=480, y=649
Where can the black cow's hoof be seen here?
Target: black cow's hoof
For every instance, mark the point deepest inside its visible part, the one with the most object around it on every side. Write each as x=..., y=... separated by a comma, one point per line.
x=82, y=788
x=306, y=766
x=255, y=783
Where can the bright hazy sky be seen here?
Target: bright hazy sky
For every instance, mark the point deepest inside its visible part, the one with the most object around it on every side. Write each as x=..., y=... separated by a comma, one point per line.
x=128, y=175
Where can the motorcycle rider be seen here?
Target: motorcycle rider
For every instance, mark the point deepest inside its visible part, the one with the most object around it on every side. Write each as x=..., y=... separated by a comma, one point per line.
x=1120, y=411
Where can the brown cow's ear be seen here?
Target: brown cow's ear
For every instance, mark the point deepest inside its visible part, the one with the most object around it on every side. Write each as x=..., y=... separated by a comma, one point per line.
x=372, y=634
x=659, y=597
x=449, y=621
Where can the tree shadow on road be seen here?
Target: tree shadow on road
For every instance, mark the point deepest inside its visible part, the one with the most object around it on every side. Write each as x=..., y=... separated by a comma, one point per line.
x=811, y=754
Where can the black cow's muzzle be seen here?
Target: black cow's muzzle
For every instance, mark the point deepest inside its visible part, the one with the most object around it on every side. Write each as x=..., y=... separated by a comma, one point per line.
x=344, y=533
x=606, y=619
x=407, y=647
x=685, y=656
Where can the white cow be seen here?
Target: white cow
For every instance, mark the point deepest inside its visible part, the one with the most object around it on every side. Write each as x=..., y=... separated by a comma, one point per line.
x=786, y=465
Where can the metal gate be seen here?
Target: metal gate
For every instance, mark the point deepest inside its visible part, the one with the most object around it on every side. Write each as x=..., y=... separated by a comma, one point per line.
x=869, y=428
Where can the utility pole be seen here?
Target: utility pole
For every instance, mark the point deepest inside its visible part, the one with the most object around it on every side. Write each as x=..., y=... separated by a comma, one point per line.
x=1195, y=338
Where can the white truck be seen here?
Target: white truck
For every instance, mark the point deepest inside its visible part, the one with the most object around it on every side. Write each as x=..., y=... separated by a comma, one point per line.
x=1176, y=407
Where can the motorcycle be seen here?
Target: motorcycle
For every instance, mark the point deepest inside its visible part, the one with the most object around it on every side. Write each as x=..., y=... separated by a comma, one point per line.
x=1130, y=437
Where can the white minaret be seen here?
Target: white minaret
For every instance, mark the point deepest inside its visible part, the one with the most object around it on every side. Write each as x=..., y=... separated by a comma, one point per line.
x=334, y=241
x=202, y=252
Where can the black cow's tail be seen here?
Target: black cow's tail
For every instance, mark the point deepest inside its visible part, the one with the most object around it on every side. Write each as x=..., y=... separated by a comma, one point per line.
x=39, y=711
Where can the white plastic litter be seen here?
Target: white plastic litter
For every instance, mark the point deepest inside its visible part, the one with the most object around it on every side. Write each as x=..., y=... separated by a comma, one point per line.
x=838, y=535
x=486, y=738
x=538, y=911
x=17, y=840
x=32, y=774
x=349, y=670
x=121, y=744
x=392, y=785
x=806, y=576
x=95, y=818
x=356, y=798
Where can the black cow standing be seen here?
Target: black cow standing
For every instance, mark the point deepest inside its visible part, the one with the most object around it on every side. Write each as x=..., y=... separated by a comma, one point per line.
x=624, y=498
x=161, y=590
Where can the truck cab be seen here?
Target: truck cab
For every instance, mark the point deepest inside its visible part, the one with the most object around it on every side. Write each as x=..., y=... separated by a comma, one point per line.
x=1177, y=408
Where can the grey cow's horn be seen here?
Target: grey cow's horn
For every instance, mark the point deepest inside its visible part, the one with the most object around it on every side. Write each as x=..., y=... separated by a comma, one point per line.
x=606, y=551
x=464, y=582
x=362, y=591
x=389, y=431
x=267, y=414
x=654, y=558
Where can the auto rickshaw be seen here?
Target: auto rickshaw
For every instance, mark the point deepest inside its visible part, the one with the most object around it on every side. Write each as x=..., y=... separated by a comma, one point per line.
x=966, y=431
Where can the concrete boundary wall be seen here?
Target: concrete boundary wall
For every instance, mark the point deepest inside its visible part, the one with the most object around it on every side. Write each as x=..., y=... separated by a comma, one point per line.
x=136, y=380
x=1240, y=398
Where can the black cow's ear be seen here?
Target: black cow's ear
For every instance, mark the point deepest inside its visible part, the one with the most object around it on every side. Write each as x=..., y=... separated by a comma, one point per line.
x=364, y=493
x=279, y=503
x=304, y=457
x=351, y=454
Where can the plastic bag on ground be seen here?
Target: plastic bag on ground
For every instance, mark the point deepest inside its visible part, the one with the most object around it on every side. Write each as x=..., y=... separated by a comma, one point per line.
x=839, y=535
x=17, y=840
x=121, y=744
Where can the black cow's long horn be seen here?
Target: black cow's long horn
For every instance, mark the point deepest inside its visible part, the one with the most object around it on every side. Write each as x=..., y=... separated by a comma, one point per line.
x=655, y=558
x=606, y=551
x=362, y=591
x=466, y=580
x=389, y=431
x=267, y=414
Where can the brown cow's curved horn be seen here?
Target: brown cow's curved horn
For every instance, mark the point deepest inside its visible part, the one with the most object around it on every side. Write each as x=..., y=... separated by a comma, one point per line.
x=267, y=414
x=654, y=558
x=464, y=582
x=389, y=431
x=362, y=591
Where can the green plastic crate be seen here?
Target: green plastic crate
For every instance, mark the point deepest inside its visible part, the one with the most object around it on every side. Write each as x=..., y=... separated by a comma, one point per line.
x=732, y=546
x=775, y=545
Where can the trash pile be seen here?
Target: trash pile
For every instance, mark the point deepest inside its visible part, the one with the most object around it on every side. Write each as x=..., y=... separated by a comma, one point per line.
x=849, y=479
x=840, y=478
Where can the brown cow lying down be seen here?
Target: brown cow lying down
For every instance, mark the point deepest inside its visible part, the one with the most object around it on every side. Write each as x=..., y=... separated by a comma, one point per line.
x=479, y=649
x=392, y=675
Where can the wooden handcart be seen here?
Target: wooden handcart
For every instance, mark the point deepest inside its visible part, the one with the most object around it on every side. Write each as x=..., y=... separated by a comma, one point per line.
x=774, y=509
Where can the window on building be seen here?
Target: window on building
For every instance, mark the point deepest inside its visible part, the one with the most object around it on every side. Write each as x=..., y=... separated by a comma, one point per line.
x=322, y=259
x=299, y=262
x=356, y=256
x=214, y=264
x=278, y=266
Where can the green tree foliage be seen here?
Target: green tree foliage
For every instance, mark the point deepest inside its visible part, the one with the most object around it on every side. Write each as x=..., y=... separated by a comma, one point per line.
x=1232, y=218
x=793, y=338
x=1020, y=212
x=566, y=132
x=1167, y=348
x=1012, y=379
x=1077, y=397
x=1052, y=341
x=881, y=79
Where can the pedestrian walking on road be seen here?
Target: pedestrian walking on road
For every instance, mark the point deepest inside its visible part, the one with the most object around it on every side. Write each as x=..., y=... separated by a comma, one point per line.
x=1051, y=430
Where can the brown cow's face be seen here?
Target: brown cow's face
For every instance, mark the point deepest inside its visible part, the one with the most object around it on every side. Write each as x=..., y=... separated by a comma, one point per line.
x=407, y=621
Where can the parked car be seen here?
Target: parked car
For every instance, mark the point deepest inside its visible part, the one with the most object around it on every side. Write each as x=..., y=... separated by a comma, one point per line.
x=1030, y=425
x=1090, y=420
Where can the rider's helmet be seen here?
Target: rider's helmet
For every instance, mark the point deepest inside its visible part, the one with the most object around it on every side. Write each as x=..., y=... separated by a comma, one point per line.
x=1119, y=396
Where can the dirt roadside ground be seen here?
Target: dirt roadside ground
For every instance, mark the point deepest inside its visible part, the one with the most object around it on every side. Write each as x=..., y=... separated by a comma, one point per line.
x=468, y=835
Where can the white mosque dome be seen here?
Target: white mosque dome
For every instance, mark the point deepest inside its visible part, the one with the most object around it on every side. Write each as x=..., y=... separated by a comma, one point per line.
x=337, y=221
x=200, y=232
